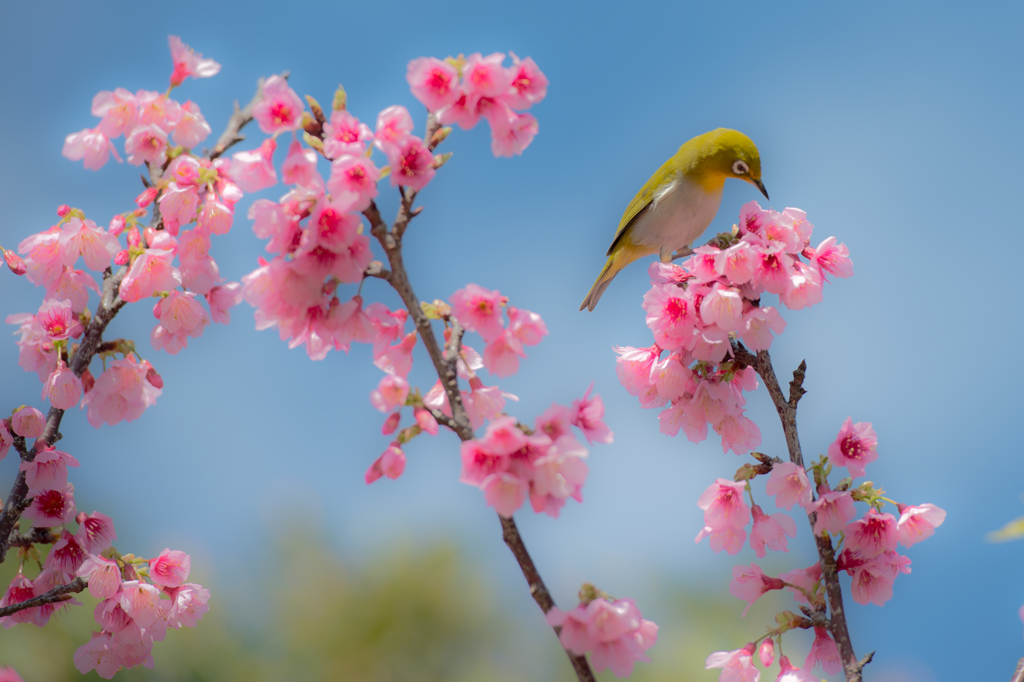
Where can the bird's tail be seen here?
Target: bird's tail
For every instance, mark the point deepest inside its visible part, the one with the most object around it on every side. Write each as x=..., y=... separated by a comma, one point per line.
x=608, y=272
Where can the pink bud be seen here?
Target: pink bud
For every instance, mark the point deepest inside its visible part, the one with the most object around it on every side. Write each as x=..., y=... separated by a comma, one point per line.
x=63, y=210
x=147, y=197
x=134, y=239
x=391, y=423
x=121, y=257
x=154, y=378
x=15, y=263
x=767, y=652
x=117, y=225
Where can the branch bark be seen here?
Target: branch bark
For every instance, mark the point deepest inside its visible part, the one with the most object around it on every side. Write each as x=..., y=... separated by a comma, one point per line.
x=445, y=362
x=786, y=407
x=57, y=594
x=1018, y=675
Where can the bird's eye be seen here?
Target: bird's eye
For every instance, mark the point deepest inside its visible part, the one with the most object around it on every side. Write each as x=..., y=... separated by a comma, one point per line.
x=740, y=167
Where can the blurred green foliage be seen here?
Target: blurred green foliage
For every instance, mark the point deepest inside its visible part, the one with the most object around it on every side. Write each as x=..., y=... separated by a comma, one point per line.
x=413, y=615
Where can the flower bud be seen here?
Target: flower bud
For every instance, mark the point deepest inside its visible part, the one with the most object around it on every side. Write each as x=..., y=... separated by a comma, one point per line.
x=147, y=197
x=154, y=378
x=391, y=423
x=88, y=381
x=117, y=225
x=134, y=240
x=15, y=263
x=121, y=257
x=766, y=652
x=63, y=210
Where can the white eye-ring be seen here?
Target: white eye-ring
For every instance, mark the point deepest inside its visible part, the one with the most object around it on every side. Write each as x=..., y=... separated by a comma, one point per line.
x=740, y=167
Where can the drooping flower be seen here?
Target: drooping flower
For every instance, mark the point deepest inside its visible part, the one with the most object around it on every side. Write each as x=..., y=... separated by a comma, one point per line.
x=153, y=271
x=736, y=665
x=48, y=471
x=724, y=504
x=146, y=144
x=345, y=135
x=52, y=507
x=192, y=129
x=770, y=531
x=529, y=84
x=824, y=652
x=181, y=316
x=918, y=522
x=588, y=415
x=122, y=392
x=117, y=110
x=253, y=170
x=871, y=534
x=614, y=633
x=394, y=126
x=28, y=422
x=58, y=320
x=103, y=575
x=834, y=509
x=390, y=464
x=750, y=582
x=299, y=168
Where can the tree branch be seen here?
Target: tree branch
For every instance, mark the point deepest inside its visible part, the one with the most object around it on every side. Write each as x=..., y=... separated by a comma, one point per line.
x=1018, y=675
x=786, y=407
x=57, y=594
x=445, y=364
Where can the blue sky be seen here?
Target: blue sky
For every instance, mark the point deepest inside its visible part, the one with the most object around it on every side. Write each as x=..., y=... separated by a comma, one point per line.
x=894, y=126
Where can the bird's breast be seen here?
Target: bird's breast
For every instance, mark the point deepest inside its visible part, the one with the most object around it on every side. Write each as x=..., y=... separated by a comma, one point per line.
x=677, y=215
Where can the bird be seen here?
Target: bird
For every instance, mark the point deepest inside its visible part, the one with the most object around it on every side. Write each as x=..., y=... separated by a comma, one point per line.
x=679, y=201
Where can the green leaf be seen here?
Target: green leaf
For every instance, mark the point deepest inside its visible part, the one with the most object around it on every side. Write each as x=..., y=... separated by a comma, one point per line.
x=1014, y=530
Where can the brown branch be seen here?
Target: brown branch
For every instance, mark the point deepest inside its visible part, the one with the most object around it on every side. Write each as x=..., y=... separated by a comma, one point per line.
x=57, y=594
x=786, y=407
x=232, y=134
x=37, y=536
x=445, y=365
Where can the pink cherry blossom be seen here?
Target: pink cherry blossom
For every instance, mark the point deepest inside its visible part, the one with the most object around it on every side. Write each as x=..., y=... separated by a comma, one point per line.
x=253, y=170
x=511, y=132
x=750, y=582
x=91, y=147
x=485, y=76
x=723, y=306
x=529, y=84
x=670, y=315
x=216, y=216
x=178, y=205
x=43, y=257
x=394, y=126
x=66, y=555
x=57, y=320
x=462, y=112
x=739, y=434
x=804, y=288
x=181, y=316
x=52, y=507
x=834, y=510
x=391, y=423
x=48, y=471
x=831, y=259
x=770, y=531
x=354, y=181
x=736, y=666
x=117, y=109
x=188, y=62
x=10, y=675
x=505, y=492
x=479, y=461
x=98, y=654
x=824, y=652
x=479, y=310
x=588, y=416
x=15, y=263
x=28, y=422
x=6, y=439
x=299, y=168
x=344, y=134
x=141, y=601
x=425, y=420
x=390, y=393
x=170, y=568
x=412, y=164
x=95, y=531
x=724, y=504
x=103, y=575
x=766, y=652
x=73, y=285
x=501, y=355
x=279, y=110
x=854, y=447
x=872, y=579
x=20, y=589
x=789, y=673
x=634, y=367
x=918, y=522
x=788, y=483
x=192, y=129
x=153, y=271
x=146, y=144
x=122, y=392
x=390, y=464
x=772, y=270
x=872, y=534
x=736, y=263
x=558, y=475
x=433, y=82
x=614, y=633
x=222, y=299
x=190, y=603
x=758, y=325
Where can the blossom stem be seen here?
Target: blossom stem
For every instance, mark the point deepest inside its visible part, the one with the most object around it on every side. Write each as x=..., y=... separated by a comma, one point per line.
x=786, y=407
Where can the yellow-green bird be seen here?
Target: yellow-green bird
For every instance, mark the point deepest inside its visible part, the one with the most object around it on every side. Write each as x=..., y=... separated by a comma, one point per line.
x=679, y=202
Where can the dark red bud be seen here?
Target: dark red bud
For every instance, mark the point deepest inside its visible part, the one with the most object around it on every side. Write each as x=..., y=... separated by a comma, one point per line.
x=122, y=257
x=154, y=378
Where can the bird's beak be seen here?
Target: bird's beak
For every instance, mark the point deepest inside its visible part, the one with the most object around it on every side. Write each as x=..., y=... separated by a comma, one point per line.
x=760, y=186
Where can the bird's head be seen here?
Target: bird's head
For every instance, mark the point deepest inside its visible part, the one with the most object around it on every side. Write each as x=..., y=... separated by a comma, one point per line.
x=725, y=153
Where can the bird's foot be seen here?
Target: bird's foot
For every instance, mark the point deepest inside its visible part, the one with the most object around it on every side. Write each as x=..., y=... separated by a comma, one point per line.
x=681, y=253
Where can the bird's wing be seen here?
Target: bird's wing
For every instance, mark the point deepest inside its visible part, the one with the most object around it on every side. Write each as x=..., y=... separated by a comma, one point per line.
x=652, y=191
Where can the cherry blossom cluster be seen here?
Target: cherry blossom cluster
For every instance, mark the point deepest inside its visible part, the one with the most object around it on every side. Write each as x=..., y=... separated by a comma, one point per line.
x=132, y=614
x=463, y=90
x=868, y=543
x=697, y=310
x=612, y=631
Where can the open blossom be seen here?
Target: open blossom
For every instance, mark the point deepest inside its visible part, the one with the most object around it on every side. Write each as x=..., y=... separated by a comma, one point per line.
x=28, y=422
x=390, y=393
x=588, y=415
x=353, y=181
x=299, y=168
x=117, y=110
x=188, y=62
x=74, y=286
x=170, y=568
x=6, y=439
x=790, y=673
x=834, y=510
x=57, y=320
x=103, y=575
x=192, y=129
x=146, y=144
x=788, y=483
x=253, y=170
x=153, y=271
x=824, y=652
x=412, y=164
x=770, y=531
x=529, y=84
x=95, y=531
x=433, y=82
x=51, y=507
x=736, y=666
x=83, y=238
x=511, y=132
x=479, y=310
x=345, y=135
x=831, y=258
x=91, y=147
x=391, y=464
x=20, y=589
x=634, y=369
x=122, y=392
x=872, y=578
x=854, y=447
x=918, y=522
x=43, y=258
x=394, y=126
x=222, y=299
x=872, y=534
x=181, y=316
x=750, y=582
x=724, y=504
x=614, y=633
x=280, y=109
x=48, y=471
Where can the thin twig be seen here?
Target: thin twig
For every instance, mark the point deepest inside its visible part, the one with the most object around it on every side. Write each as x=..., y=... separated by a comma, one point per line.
x=57, y=594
